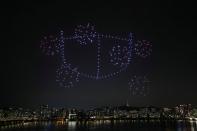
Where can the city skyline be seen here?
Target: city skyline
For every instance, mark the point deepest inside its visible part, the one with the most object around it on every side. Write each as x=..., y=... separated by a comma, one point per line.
x=121, y=112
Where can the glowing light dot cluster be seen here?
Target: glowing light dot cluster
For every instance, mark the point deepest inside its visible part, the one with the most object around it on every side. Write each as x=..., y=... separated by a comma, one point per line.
x=143, y=48
x=85, y=34
x=67, y=76
x=139, y=85
x=98, y=58
x=49, y=45
x=120, y=56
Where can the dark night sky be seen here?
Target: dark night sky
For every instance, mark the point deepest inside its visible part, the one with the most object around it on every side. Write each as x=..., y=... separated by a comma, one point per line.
x=28, y=76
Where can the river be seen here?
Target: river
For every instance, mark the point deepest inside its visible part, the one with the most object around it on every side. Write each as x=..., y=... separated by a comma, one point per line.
x=116, y=125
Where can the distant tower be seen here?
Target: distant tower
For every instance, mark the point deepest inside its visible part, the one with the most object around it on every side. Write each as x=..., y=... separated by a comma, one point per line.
x=127, y=104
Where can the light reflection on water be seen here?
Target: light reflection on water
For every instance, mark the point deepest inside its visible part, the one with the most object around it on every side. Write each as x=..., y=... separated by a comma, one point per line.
x=107, y=125
x=189, y=126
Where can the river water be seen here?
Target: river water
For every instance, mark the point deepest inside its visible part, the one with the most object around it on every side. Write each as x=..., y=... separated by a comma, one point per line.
x=104, y=126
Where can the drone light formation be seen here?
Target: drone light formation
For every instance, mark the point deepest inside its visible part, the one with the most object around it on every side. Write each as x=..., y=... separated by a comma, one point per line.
x=48, y=45
x=85, y=34
x=120, y=55
x=67, y=76
x=143, y=48
x=139, y=85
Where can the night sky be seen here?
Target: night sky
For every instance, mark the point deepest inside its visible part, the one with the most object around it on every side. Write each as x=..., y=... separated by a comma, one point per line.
x=28, y=76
